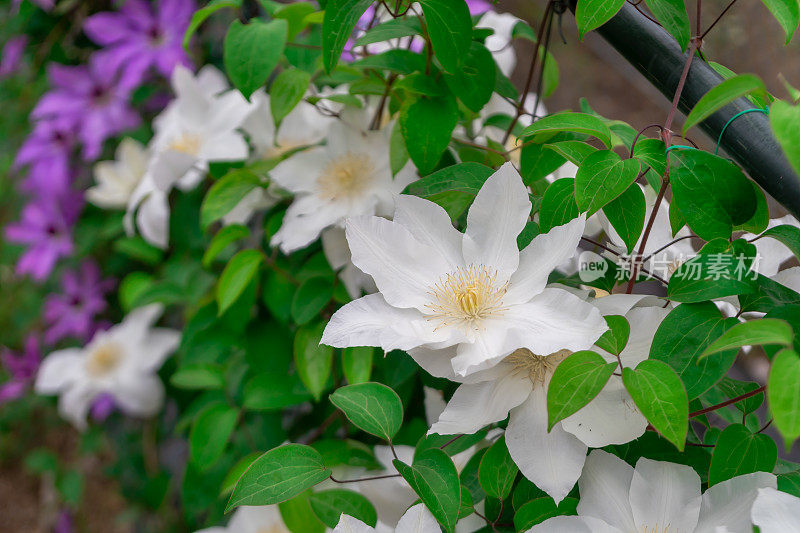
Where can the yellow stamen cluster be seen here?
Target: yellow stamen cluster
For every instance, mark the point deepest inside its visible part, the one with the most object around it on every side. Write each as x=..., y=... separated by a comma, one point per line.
x=103, y=359
x=346, y=177
x=187, y=143
x=467, y=296
x=537, y=367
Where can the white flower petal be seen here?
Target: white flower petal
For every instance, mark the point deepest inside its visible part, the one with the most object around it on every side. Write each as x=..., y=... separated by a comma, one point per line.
x=776, y=512
x=138, y=394
x=476, y=405
x=430, y=224
x=605, y=489
x=644, y=322
x=156, y=347
x=304, y=221
x=617, y=304
x=418, y=519
x=610, y=418
x=552, y=461
x=403, y=268
x=574, y=524
x=370, y=321
x=434, y=404
x=495, y=219
x=152, y=219
x=485, y=348
x=789, y=278
x=665, y=495
x=74, y=404
x=541, y=257
x=348, y=524
x=59, y=370
x=168, y=166
x=300, y=172
x=728, y=504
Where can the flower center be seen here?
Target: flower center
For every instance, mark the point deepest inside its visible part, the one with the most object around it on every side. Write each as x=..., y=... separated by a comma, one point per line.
x=347, y=176
x=187, y=143
x=467, y=296
x=537, y=367
x=656, y=529
x=104, y=359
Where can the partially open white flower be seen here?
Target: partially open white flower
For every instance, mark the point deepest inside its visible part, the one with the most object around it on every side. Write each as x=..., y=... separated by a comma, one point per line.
x=252, y=519
x=198, y=127
x=657, y=496
x=776, y=512
x=349, y=176
x=116, y=180
x=122, y=361
x=474, y=291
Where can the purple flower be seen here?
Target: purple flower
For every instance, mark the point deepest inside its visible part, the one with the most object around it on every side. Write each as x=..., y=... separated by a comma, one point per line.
x=93, y=98
x=64, y=523
x=72, y=313
x=47, y=151
x=12, y=55
x=142, y=35
x=22, y=369
x=102, y=407
x=46, y=226
x=478, y=7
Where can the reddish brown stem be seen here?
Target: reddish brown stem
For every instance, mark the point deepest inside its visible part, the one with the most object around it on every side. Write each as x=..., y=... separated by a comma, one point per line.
x=729, y=402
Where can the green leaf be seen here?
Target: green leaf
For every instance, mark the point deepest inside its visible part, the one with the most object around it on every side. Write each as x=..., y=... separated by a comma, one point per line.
x=226, y=193
x=298, y=14
x=313, y=360
x=558, y=205
x=659, y=394
x=626, y=214
x=712, y=193
x=139, y=249
x=591, y=14
x=784, y=117
x=398, y=155
x=252, y=51
x=615, y=338
x=434, y=478
x=497, y=470
x=273, y=391
x=427, y=124
x=651, y=153
x=783, y=394
x=583, y=123
x=340, y=18
x=751, y=333
x=473, y=82
x=210, y=433
x=391, y=29
x=311, y=297
x=683, y=335
x=787, y=14
x=760, y=219
x=372, y=407
x=538, y=510
x=278, y=475
x=709, y=276
x=575, y=383
x=238, y=273
x=723, y=94
x=224, y=238
x=672, y=15
x=574, y=151
x=453, y=187
x=286, y=92
x=330, y=505
x=536, y=162
x=198, y=376
x=739, y=452
x=299, y=517
x=202, y=14
x=357, y=363
x=450, y=30
x=602, y=177
x=786, y=234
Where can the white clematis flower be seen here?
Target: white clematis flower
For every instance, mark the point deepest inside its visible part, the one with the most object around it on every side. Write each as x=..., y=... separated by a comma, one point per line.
x=252, y=519
x=198, y=127
x=475, y=291
x=122, y=361
x=116, y=180
x=776, y=512
x=656, y=496
x=349, y=176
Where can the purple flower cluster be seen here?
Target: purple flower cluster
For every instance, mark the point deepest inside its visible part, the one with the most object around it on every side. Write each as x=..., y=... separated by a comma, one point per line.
x=22, y=368
x=86, y=105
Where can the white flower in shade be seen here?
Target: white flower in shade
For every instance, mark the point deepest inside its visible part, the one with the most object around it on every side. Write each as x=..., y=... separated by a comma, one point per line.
x=252, y=519
x=499, y=43
x=475, y=292
x=418, y=519
x=656, y=496
x=337, y=252
x=776, y=512
x=349, y=176
x=116, y=180
x=199, y=126
x=122, y=361
x=517, y=386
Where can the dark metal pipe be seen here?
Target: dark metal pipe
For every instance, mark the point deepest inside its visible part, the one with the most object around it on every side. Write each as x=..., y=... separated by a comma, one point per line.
x=748, y=139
